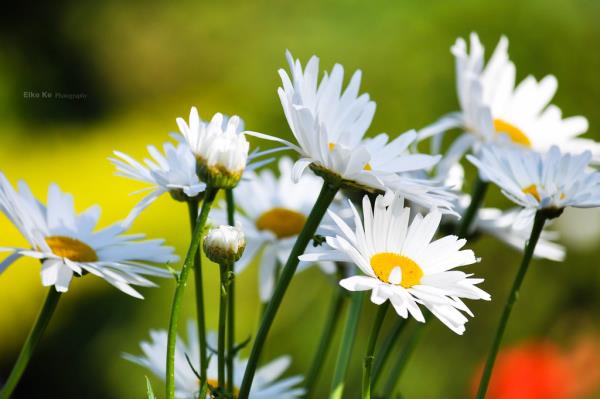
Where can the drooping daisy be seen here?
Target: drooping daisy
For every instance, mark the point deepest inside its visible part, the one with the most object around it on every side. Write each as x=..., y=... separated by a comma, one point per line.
x=273, y=212
x=550, y=181
x=329, y=124
x=66, y=243
x=495, y=110
x=400, y=263
x=173, y=173
x=267, y=383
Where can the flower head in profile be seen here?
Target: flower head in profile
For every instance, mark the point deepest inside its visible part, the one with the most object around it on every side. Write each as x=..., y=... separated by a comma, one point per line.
x=399, y=262
x=550, y=181
x=273, y=210
x=173, y=173
x=224, y=244
x=267, y=382
x=496, y=109
x=66, y=243
x=220, y=147
x=329, y=124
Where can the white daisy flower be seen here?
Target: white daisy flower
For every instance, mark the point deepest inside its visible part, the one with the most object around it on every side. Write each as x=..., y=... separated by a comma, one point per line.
x=220, y=147
x=267, y=383
x=550, y=181
x=173, y=173
x=329, y=124
x=67, y=244
x=401, y=264
x=224, y=244
x=495, y=110
x=273, y=212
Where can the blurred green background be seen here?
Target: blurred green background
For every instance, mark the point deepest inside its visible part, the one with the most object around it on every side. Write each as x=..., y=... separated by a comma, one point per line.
x=141, y=65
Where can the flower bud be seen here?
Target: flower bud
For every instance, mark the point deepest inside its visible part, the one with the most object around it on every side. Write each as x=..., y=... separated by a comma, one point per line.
x=224, y=244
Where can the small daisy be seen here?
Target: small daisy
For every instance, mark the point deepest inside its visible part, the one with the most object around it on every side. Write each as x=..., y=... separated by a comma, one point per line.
x=273, y=212
x=173, y=173
x=66, y=243
x=495, y=110
x=401, y=264
x=329, y=124
x=224, y=244
x=550, y=181
x=267, y=384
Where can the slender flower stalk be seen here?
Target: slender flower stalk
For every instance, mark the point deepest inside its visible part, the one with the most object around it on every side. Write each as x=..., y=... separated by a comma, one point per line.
x=326, y=196
x=398, y=367
x=368, y=362
x=331, y=322
x=479, y=190
x=538, y=226
x=345, y=351
x=201, y=321
x=229, y=198
x=386, y=349
x=30, y=343
x=222, y=324
x=180, y=289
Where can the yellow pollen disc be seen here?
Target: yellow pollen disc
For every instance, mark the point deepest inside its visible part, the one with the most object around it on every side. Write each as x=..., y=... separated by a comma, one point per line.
x=533, y=191
x=384, y=262
x=71, y=249
x=282, y=222
x=368, y=167
x=515, y=134
x=215, y=384
x=331, y=146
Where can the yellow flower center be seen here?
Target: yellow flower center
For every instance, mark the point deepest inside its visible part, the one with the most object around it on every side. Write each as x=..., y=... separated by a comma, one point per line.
x=71, y=249
x=532, y=189
x=367, y=166
x=384, y=263
x=214, y=383
x=282, y=222
x=331, y=146
x=515, y=134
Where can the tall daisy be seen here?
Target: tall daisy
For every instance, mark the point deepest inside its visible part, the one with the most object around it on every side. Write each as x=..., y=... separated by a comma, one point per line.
x=273, y=212
x=173, y=173
x=550, y=181
x=329, y=124
x=399, y=262
x=496, y=109
x=267, y=385
x=66, y=243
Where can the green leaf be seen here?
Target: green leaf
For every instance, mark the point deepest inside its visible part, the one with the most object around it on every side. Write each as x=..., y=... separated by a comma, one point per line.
x=150, y=392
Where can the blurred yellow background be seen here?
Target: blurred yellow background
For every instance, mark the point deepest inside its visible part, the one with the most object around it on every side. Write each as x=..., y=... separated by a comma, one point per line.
x=143, y=64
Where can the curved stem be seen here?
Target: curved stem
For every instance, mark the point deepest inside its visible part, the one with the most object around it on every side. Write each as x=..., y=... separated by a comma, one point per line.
x=33, y=338
x=200, y=319
x=401, y=361
x=190, y=260
x=312, y=222
x=368, y=362
x=386, y=349
x=345, y=351
x=538, y=226
x=331, y=322
x=231, y=298
x=477, y=196
x=222, y=325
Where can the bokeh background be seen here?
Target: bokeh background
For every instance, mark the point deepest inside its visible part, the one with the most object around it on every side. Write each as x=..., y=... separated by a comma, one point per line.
x=140, y=65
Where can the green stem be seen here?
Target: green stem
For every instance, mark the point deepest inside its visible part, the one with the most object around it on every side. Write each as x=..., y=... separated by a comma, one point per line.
x=386, y=349
x=190, y=260
x=333, y=316
x=477, y=196
x=538, y=226
x=398, y=367
x=314, y=219
x=368, y=362
x=345, y=350
x=34, y=336
x=222, y=325
x=200, y=319
x=231, y=299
